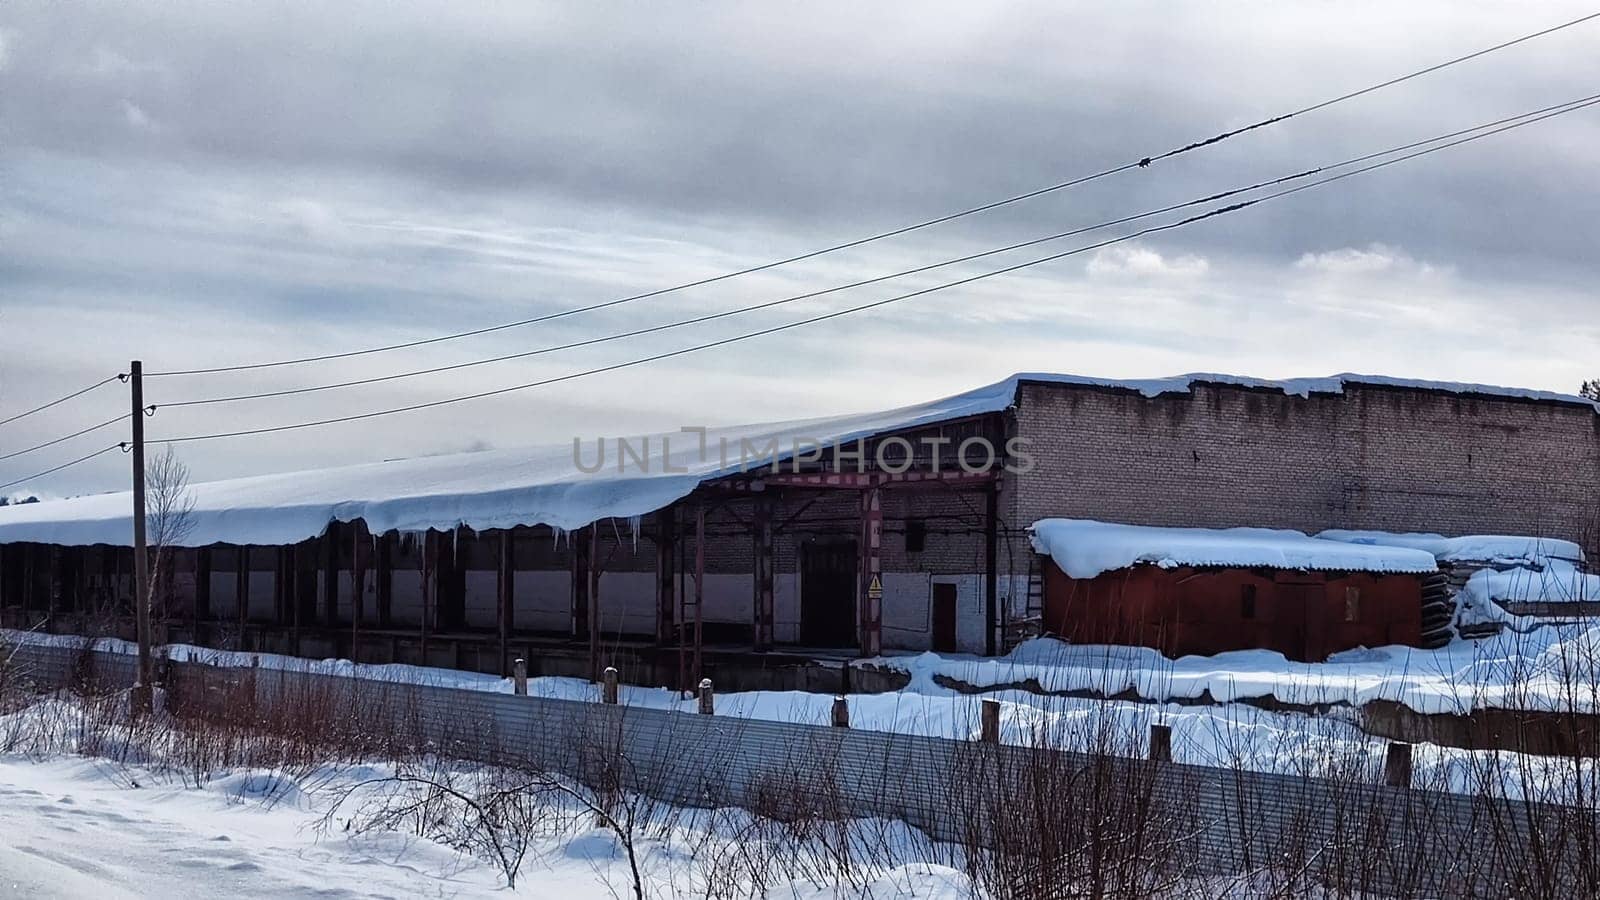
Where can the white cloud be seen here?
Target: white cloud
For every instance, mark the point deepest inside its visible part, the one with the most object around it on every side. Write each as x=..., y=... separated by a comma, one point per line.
x=136, y=117
x=1142, y=262
x=1358, y=261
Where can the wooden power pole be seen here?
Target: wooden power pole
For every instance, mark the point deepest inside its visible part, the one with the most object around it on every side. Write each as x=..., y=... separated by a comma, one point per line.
x=141, y=558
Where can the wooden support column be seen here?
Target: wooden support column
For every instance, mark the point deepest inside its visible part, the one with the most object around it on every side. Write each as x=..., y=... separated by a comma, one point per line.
x=241, y=591
x=763, y=565
x=72, y=580
x=690, y=619
x=505, y=591
x=870, y=584
x=295, y=584
x=579, y=541
x=450, y=610
x=430, y=587
x=110, y=598
x=360, y=563
x=280, y=587
x=666, y=573
x=594, y=602
x=699, y=589
x=53, y=589
x=991, y=565
x=385, y=585
x=200, y=610
x=329, y=552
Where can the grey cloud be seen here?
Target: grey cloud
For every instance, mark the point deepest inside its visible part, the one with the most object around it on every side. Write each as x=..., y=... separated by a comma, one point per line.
x=225, y=182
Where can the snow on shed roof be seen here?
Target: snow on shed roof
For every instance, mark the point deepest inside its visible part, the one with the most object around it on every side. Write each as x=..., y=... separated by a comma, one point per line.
x=1084, y=549
x=1486, y=548
x=541, y=485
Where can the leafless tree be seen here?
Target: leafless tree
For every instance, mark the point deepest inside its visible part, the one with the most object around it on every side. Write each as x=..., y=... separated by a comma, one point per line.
x=169, y=514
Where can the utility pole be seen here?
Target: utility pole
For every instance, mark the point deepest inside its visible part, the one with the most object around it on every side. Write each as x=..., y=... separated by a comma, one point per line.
x=141, y=558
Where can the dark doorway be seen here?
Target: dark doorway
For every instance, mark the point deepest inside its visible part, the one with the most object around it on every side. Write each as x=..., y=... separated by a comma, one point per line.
x=944, y=617
x=828, y=594
x=1299, y=626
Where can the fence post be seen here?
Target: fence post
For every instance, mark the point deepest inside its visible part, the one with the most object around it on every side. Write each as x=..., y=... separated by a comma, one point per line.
x=1397, y=765
x=519, y=677
x=705, y=697
x=841, y=713
x=609, y=692
x=1161, y=743
x=989, y=719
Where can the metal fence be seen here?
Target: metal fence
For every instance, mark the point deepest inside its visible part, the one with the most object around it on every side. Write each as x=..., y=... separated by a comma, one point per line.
x=1222, y=821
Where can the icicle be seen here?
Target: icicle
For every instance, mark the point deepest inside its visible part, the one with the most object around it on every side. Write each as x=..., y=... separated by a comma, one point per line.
x=556, y=534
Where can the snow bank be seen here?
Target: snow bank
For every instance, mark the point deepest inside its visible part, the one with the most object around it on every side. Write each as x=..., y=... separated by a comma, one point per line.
x=1554, y=668
x=1555, y=583
x=1473, y=548
x=545, y=486
x=1084, y=548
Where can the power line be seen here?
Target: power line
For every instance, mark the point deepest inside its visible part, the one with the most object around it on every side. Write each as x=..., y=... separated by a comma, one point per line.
x=1143, y=162
x=286, y=392
x=66, y=437
x=58, y=401
x=1223, y=210
x=62, y=466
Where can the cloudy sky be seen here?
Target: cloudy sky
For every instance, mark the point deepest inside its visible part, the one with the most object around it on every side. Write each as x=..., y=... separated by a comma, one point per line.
x=209, y=184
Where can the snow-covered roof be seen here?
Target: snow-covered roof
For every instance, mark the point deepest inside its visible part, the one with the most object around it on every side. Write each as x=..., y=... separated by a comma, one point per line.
x=1471, y=548
x=1084, y=548
x=1305, y=387
x=486, y=489
x=543, y=486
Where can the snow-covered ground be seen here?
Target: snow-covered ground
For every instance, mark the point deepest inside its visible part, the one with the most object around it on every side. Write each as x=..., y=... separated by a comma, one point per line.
x=77, y=827
x=84, y=827
x=1556, y=667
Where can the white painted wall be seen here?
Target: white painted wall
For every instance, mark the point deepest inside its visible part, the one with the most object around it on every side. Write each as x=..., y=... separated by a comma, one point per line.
x=543, y=600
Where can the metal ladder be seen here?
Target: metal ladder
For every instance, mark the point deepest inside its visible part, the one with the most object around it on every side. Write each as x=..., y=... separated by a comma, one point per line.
x=1030, y=623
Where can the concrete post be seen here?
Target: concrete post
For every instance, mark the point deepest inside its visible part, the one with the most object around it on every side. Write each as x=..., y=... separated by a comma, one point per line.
x=1161, y=743
x=609, y=691
x=519, y=675
x=990, y=722
x=1397, y=765
x=705, y=697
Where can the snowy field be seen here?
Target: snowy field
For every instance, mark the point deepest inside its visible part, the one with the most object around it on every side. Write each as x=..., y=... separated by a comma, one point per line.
x=78, y=828
x=155, y=825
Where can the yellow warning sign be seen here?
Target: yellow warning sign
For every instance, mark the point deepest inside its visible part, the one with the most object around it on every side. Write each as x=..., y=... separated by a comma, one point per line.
x=876, y=587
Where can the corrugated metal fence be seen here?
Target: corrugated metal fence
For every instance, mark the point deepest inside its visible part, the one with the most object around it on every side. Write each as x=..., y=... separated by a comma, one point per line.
x=1218, y=821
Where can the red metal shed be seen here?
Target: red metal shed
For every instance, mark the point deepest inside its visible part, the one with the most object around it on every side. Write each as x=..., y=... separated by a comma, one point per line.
x=1303, y=615
x=1182, y=597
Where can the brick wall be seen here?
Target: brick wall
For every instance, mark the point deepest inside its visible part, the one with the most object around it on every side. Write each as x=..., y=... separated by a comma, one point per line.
x=1371, y=457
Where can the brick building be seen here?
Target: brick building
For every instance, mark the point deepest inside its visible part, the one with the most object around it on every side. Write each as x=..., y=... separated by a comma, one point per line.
x=909, y=548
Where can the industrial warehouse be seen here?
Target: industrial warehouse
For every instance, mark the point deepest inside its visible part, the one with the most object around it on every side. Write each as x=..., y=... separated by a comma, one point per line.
x=756, y=552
